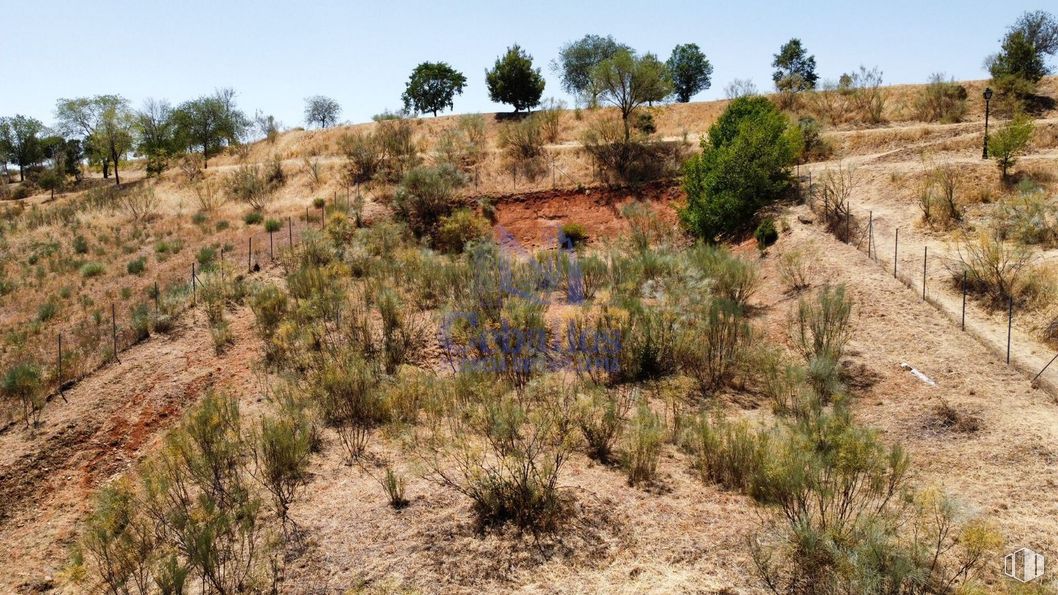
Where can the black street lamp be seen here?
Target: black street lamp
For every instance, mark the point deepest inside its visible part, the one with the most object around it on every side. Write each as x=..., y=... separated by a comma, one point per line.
x=988, y=99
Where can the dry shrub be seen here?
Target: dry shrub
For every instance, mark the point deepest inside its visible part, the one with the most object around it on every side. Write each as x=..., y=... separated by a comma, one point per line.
x=1029, y=217
x=941, y=101
x=139, y=204
x=713, y=345
x=209, y=196
x=549, y=116
x=250, y=185
x=633, y=161
x=833, y=203
x=993, y=269
x=937, y=197
x=522, y=143
x=821, y=326
x=642, y=447
x=601, y=418
x=505, y=451
x=796, y=268
x=192, y=167
x=947, y=417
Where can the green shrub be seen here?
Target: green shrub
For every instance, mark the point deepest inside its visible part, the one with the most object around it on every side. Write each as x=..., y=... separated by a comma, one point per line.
x=766, y=234
x=941, y=101
x=425, y=196
x=248, y=184
x=206, y=257
x=713, y=344
x=730, y=454
x=462, y=226
x=141, y=322
x=821, y=326
x=23, y=385
x=349, y=395
x=573, y=233
x=282, y=445
x=1009, y=142
x=253, y=218
x=643, y=445
x=222, y=336
x=601, y=417
x=743, y=166
x=506, y=453
x=273, y=225
x=393, y=485
x=137, y=266
x=47, y=310
x=80, y=244
x=199, y=218
x=92, y=269
x=732, y=278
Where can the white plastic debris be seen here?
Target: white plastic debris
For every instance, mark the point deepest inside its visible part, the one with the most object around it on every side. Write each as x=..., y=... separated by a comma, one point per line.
x=917, y=374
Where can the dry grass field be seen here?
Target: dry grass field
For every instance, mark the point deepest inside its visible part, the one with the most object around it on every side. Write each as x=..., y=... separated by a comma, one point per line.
x=346, y=335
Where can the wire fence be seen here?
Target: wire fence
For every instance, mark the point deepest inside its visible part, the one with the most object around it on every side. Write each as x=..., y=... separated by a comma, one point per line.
x=85, y=344
x=938, y=279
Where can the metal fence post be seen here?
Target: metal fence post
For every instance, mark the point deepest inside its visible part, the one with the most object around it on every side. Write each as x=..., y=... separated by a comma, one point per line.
x=114, y=329
x=290, y=231
x=1010, y=324
x=249, y=255
x=925, y=255
x=870, y=233
x=896, y=252
x=964, y=300
x=194, y=286
x=58, y=373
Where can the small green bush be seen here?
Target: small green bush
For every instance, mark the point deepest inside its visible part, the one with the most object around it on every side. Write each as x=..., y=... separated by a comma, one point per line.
x=137, y=266
x=206, y=257
x=643, y=445
x=273, y=225
x=460, y=227
x=766, y=234
x=253, y=218
x=574, y=233
x=80, y=245
x=92, y=269
x=47, y=310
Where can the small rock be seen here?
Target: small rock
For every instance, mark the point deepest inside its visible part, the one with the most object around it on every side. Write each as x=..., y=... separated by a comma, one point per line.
x=806, y=219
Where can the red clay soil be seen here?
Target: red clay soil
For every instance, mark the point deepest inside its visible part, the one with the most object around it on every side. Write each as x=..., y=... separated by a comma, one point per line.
x=533, y=218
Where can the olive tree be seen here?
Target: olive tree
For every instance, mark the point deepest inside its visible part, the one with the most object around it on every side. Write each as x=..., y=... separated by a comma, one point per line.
x=104, y=122
x=322, y=111
x=577, y=61
x=20, y=142
x=432, y=87
x=628, y=81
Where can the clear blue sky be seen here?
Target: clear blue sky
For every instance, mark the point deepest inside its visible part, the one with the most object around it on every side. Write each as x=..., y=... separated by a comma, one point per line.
x=277, y=53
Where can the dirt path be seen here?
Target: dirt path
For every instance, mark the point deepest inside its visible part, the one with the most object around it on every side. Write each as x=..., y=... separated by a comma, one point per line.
x=1007, y=470
x=112, y=419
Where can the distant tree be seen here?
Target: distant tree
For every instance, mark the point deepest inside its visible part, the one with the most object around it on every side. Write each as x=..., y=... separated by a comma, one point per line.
x=691, y=71
x=743, y=166
x=267, y=126
x=432, y=87
x=514, y=81
x=577, y=61
x=322, y=111
x=740, y=88
x=210, y=123
x=156, y=134
x=64, y=154
x=795, y=70
x=627, y=81
x=20, y=141
x=105, y=122
x=1021, y=61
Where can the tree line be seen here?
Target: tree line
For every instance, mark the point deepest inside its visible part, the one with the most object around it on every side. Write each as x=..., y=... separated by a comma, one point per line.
x=595, y=69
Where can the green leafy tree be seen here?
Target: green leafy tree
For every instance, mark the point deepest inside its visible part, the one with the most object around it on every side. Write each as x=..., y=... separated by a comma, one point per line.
x=322, y=111
x=432, y=87
x=627, y=81
x=1021, y=61
x=514, y=81
x=743, y=166
x=20, y=141
x=1009, y=142
x=211, y=123
x=104, y=122
x=156, y=134
x=691, y=71
x=577, y=61
x=795, y=70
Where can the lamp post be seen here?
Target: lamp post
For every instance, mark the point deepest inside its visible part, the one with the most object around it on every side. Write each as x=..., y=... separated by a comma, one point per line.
x=988, y=99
